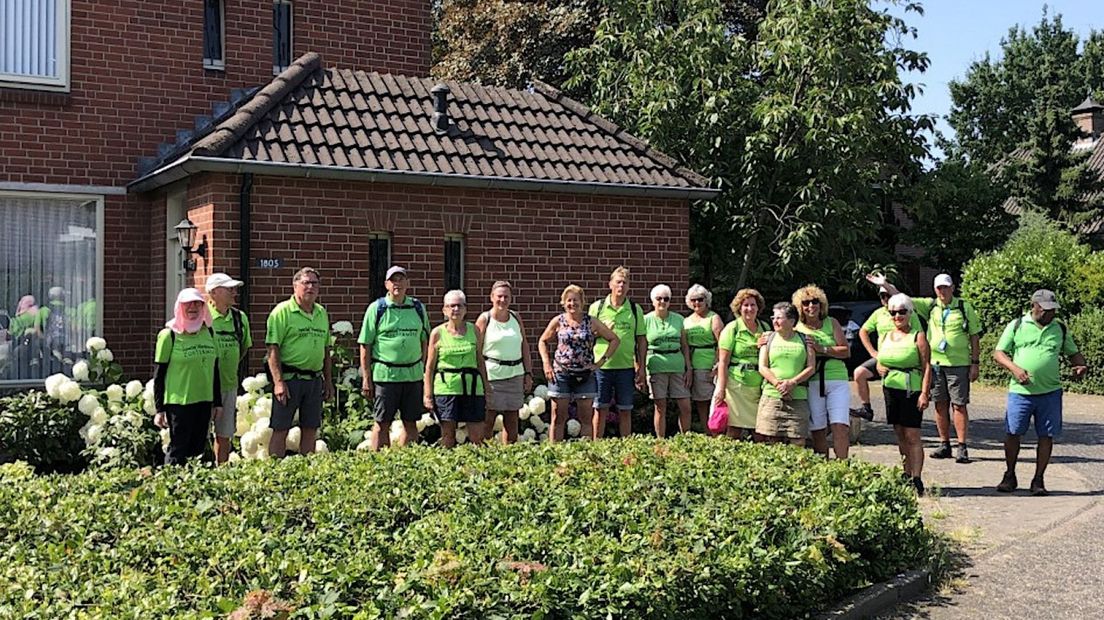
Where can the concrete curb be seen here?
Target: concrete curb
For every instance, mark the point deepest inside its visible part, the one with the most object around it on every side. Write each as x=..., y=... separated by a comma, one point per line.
x=881, y=597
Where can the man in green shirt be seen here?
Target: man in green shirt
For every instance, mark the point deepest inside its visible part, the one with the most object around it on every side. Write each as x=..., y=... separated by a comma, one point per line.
x=393, y=340
x=232, y=331
x=1029, y=349
x=298, y=341
x=616, y=378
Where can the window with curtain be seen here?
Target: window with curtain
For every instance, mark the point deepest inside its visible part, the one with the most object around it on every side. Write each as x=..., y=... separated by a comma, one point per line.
x=34, y=43
x=48, y=284
x=213, y=35
x=379, y=259
x=281, y=35
x=454, y=262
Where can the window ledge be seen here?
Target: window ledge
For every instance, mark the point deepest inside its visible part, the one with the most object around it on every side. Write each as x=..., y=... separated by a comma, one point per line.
x=38, y=97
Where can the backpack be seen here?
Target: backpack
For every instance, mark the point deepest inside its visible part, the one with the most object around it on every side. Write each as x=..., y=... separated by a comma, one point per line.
x=961, y=307
x=637, y=311
x=382, y=307
x=1019, y=320
x=239, y=333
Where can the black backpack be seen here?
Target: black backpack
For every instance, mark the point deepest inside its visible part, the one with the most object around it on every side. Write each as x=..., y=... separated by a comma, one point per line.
x=382, y=307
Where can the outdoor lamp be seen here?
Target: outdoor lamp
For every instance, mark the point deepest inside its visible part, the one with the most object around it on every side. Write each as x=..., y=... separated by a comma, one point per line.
x=186, y=233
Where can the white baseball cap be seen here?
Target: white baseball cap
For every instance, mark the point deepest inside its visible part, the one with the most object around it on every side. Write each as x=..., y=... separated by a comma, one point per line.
x=221, y=280
x=189, y=295
x=943, y=280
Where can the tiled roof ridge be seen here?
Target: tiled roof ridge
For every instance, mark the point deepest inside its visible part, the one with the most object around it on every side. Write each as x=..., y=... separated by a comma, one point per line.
x=557, y=95
x=233, y=128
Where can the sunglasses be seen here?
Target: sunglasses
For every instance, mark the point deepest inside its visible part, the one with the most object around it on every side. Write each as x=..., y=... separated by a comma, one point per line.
x=810, y=302
x=663, y=299
x=899, y=312
x=456, y=305
x=696, y=300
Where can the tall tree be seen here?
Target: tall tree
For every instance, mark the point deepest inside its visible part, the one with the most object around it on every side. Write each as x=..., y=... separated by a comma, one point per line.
x=806, y=129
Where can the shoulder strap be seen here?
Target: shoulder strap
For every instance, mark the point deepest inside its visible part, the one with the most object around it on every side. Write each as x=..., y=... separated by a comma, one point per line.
x=965, y=318
x=770, y=339
x=420, y=309
x=381, y=307
x=637, y=311
x=601, y=306
x=239, y=331
x=763, y=325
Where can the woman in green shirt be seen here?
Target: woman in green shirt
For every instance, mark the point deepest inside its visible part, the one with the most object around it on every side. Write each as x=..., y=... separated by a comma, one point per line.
x=703, y=331
x=739, y=383
x=455, y=373
x=829, y=388
x=668, y=361
x=186, y=389
x=903, y=356
x=786, y=361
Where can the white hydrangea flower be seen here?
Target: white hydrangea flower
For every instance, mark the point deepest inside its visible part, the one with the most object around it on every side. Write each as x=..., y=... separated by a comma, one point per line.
x=262, y=380
x=106, y=356
x=429, y=420
x=149, y=406
x=249, y=384
x=134, y=418
x=98, y=416
x=528, y=435
x=536, y=406
x=53, y=382
x=293, y=437
x=461, y=435
x=242, y=426
x=420, y=425
x=524, y=413
x=80, y=370
x=115, y=392
x=249, y=442
x=498, y=424
x=573, y=428
x=538, y=424
x=320, y=446
x=133, y=389
x=83, y=432
x=261, y=424
x=541, y=391
x=93, y=435
x=234, y=457
x=95, y=343
x=365, y=445
x=109, y=452
x=88, y=404
x=395, y=431
x=266, y=434
x=115, y=407
x=543, y=437
x=69, y=391
x=243, y=403
x=343, y=327
x=165, y=438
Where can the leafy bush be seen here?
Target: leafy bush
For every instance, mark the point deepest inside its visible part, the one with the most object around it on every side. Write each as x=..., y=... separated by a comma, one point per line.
x=1087, y=333
x=41, y=431
x=689, y=527
x=1038, y=255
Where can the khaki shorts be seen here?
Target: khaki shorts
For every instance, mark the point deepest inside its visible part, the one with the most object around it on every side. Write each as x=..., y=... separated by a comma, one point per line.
x=702, y=388
x=743, y=404
x=782, y=418
x=950, y=383
x=508, y=394
x=664, y=385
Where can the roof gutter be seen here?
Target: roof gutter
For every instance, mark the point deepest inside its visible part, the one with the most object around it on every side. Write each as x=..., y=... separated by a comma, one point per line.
x=192, y=164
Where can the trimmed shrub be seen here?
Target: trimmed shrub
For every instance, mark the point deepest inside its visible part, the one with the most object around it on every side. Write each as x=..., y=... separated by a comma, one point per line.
x=1089, y=337
x=690, y=527
x=42, y=432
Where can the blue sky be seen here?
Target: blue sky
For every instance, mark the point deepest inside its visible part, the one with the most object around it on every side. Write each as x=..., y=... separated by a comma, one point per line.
x=955, y=33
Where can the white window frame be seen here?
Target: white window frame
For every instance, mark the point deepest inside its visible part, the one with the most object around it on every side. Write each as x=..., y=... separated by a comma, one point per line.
x=277, y=70
x=99, y=198
x=61, y=82
x=216, y=64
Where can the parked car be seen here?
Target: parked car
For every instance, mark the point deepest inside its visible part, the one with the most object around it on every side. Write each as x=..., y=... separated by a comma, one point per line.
x=851, y=315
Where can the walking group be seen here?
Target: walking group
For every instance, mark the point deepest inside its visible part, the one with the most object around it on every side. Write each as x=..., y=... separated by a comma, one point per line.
x=782, y=379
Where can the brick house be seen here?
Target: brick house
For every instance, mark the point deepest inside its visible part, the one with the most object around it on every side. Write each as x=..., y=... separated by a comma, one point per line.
x=346, y=166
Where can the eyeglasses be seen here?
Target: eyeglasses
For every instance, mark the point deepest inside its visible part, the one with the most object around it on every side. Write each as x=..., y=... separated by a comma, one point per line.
x=810, y=302
x=778, y=318
x=899, y=312
x=309, y=282
x=456, y=306
x=697, y=300
x=663, y=299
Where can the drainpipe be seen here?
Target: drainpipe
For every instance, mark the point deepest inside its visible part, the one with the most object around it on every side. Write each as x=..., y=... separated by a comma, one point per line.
x=244, y=212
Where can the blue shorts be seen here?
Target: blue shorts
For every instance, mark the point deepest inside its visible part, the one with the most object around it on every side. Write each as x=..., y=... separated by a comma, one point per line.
x=616, y=386
x=574, y=385
x=460, y=408
x=1046, y=408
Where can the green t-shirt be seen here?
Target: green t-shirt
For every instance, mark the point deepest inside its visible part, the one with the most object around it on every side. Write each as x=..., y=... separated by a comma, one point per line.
x=703, y=344
x=231, y=350
x=881, y=323
x=1037, y=350
x=664, y=343
x=903, y=360
x=786, y=360
x=743, y=366
x=398, y=340
x=628, y=323
x=949, y=322
x=302, y=337
x=457, y=352
x=834, y=368
x=190, y=377
x=20, y=323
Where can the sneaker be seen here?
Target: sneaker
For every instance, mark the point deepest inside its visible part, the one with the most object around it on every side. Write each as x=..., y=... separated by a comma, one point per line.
x=1008, y=482
x=919, y=486
x=1037, y=487
x=963, y=455
x=944, y=452
x=864, y=412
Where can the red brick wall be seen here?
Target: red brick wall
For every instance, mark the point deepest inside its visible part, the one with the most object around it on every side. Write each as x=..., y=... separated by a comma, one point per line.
x=538, y=241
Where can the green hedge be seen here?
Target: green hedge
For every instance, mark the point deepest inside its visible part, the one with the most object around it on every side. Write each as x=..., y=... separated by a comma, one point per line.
x=38, y=430
x=690, y=527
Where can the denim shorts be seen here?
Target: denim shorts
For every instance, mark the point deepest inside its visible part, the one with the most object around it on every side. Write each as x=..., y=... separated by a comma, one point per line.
x=460, y=408
x=616, y=386
x=1046, y=408
x=576, y=385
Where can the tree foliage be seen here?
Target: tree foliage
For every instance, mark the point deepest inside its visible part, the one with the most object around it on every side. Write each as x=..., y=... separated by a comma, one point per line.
x=806, y=128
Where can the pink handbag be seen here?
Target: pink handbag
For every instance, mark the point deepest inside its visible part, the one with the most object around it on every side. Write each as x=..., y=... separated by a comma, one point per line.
x=718, y=418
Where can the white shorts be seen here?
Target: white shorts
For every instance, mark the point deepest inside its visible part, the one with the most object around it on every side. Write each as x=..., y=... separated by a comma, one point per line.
x=834, y=408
